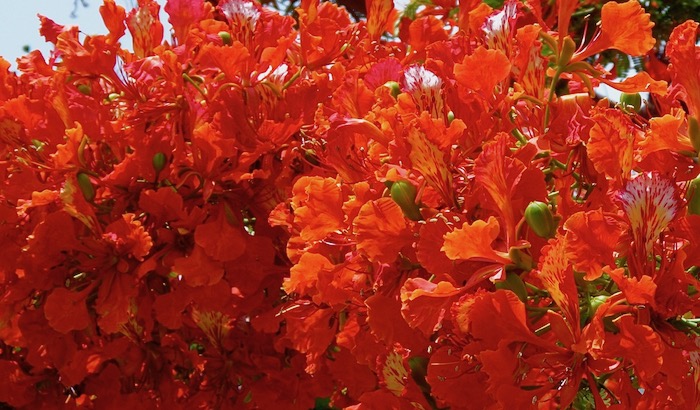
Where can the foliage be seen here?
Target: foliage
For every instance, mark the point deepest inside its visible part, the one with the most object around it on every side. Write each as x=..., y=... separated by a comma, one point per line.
x=401, y=212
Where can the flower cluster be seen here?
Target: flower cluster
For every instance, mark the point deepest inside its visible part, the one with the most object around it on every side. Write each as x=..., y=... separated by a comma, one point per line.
x=420, y=210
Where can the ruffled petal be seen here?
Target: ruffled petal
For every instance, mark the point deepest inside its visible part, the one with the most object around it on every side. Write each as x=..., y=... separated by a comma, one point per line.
x=473, y=241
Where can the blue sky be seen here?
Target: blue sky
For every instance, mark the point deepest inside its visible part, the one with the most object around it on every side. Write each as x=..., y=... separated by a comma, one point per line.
x=19, y=24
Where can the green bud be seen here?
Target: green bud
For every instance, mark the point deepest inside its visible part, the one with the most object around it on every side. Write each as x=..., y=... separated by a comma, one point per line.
x=225, y=36
x=596, y=301
x=418, y=366
x=635, y=100
x=692, y=196
x=404, y=194
x=394, y=87
x=86, y=186
x=514, y=283
x=694, y=132
x=450, y=117
x=311, y=157
x=540, y=219
x=84, y=89
x=159, y=161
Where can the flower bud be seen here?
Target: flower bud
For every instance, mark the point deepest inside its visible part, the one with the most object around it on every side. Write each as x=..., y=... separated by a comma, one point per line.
x=159, y=161
x=596, y=301
x=84, y=89
x=225, y=36
x=86, y=186
x=419, y=367
x=311, y=157
x=394, y=87
x=692, y=196
x=514, y=283
x=635, y=100
x=540, y=219
x=404, y=194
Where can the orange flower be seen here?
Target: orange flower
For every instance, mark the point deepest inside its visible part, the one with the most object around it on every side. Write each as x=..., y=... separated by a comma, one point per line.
x=494, y=318
x=114, y=300
x=499, y=29
x=424, y=31
x=623, y=26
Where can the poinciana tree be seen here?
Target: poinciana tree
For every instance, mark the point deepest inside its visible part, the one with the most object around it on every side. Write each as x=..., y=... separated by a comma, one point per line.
x=421, y=210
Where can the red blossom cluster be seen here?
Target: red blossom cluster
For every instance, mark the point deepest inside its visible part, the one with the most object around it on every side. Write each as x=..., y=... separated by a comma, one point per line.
x=423, y=210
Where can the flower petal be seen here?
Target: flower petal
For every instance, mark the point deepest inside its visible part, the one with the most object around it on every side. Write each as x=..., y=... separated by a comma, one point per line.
x=636, y=291
x=198, y=269
x=625, y=27
x=381, y=230
x=378, y=12
x=628, y=27
x=483, y=70
x=639, y=82
x=558, y=279
x=473, y=241
x=66, y=310
x=685, y=63
x=494, y=318
x=430, y=161
x=663, y=134
x=650, y=202
x=591, y=240
x=425, y=304
x=317, y=204
x=611, y=143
